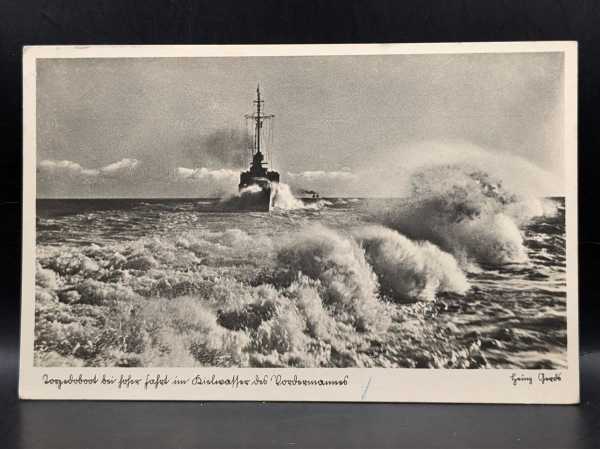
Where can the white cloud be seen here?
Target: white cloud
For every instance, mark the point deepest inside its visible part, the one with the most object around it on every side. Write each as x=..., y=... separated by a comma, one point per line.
x=184, y=173
x=205, y=174
x=67, y=178
x=65, y=168
x=124, y=167
x=124, y=178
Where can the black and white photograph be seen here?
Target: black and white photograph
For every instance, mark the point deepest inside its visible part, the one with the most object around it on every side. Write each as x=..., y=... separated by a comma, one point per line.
x=332, y=211
x=302, y=211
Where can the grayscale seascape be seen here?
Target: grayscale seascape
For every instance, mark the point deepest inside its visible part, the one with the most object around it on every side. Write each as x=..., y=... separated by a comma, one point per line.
x=419, y=221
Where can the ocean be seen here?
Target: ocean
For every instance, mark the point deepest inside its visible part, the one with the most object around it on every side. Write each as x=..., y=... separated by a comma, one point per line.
x=459, y=278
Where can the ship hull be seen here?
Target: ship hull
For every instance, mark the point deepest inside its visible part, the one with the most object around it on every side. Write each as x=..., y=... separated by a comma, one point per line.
x=256, y=201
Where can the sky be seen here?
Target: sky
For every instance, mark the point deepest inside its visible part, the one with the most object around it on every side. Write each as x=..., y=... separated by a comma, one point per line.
x=344, y=125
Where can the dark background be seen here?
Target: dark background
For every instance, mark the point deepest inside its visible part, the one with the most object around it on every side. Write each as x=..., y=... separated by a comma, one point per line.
x=67, y=425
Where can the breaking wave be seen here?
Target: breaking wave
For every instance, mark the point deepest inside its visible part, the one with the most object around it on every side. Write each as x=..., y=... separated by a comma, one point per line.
x=466, y=212
x=283, y=198
x=347, y=281
x=410, y=270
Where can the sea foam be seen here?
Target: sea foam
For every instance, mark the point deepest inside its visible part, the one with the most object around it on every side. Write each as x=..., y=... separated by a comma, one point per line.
x=318, y=297
x=408, y=270
x=465, y=212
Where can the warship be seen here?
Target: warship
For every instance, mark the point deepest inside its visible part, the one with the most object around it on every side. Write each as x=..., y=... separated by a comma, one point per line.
x=257, y=183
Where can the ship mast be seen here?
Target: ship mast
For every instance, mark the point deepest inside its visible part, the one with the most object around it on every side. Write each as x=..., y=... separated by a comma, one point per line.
x=259, y=118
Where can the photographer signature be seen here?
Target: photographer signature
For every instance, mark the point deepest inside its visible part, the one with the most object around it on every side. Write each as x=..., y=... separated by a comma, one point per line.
x=529, y=379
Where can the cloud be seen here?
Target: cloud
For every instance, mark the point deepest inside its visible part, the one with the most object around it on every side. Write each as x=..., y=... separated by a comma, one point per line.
x=131, y=178
x=65, y=168
x=205, y=174
x=124, y=167
x=68, y=179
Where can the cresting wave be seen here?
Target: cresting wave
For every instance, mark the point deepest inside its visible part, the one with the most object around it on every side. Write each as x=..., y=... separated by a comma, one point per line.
x=407, y=270
x=466, y=212
x=284, y=199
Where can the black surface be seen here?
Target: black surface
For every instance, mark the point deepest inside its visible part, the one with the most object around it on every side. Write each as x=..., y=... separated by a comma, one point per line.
x=102, y=425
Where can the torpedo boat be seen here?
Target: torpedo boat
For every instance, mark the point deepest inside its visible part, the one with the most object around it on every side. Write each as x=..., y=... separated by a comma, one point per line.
x=257, y=183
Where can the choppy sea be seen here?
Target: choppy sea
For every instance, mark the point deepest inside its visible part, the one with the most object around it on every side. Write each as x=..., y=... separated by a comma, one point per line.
x=451, y=282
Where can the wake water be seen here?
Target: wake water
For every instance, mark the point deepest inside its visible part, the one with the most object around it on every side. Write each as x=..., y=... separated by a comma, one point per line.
x=461, y=275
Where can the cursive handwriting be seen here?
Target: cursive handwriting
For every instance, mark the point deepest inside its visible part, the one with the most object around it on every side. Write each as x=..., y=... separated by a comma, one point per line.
x=518, y=379
x=542, y=378
x=552, y=378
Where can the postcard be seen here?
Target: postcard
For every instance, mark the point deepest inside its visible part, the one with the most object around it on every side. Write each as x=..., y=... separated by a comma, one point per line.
x=364, y=223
